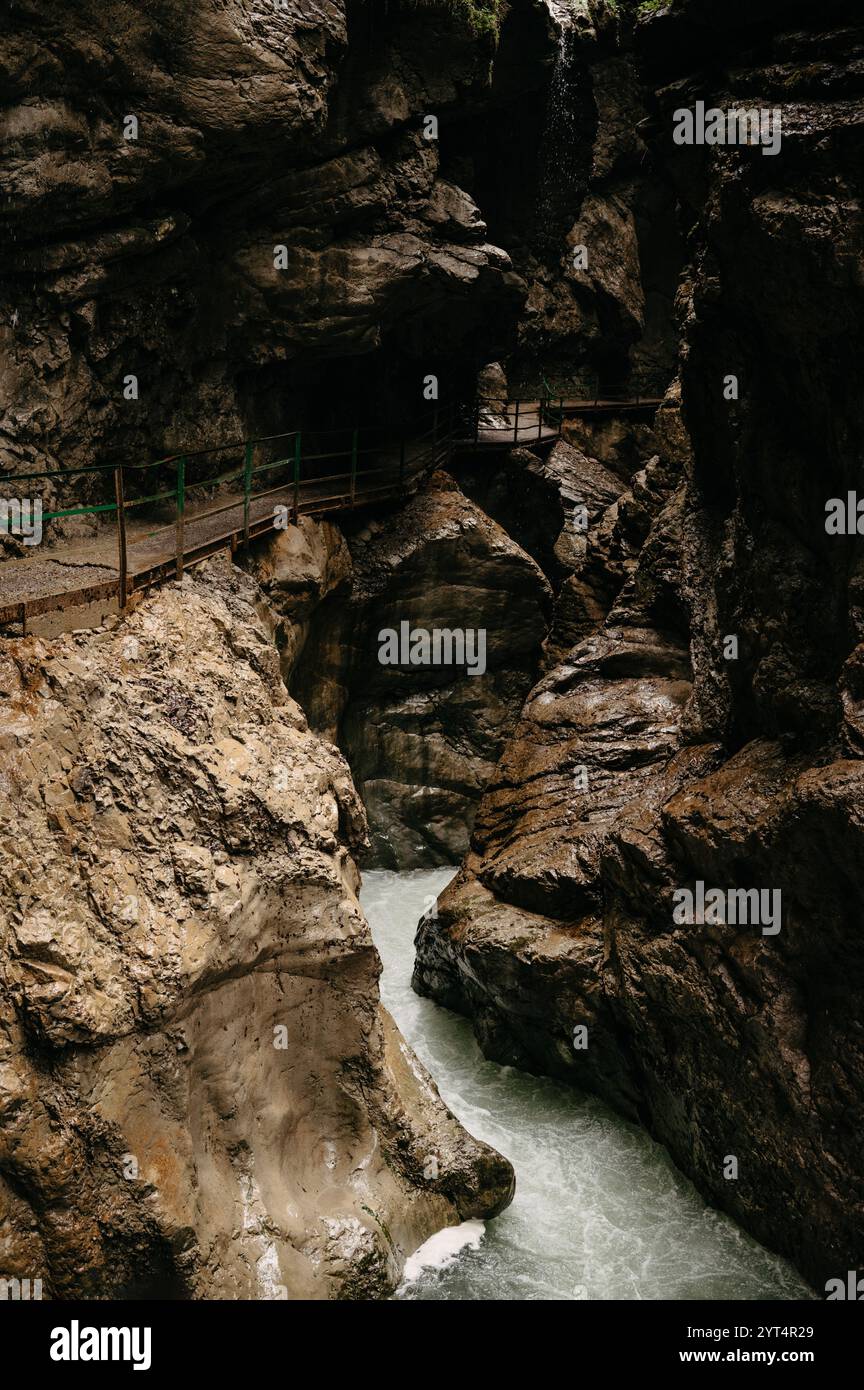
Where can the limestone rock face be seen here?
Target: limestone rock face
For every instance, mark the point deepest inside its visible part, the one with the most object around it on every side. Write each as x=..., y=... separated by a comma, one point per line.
x=519, y=941
x=735, y=768
x=582, y=519
x=423, y=741
x=199, y=196
x=613, y=275
x=200, y=1093
x=297, y=568
x=540, y=501
x=604, y=264
x=774, y=299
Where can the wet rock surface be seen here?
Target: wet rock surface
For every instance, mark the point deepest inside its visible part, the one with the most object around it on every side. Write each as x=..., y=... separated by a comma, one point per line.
x=179, y=846
x=737, y=768
x=422, y=741
x=154, y=165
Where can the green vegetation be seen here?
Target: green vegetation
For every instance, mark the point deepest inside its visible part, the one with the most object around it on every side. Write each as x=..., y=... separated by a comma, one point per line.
x=650, y=6
x=381, y=1223
x=479, y=16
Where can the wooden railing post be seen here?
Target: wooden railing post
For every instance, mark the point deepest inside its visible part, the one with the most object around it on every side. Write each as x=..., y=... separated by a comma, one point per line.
x=247, y=488
x=121, y=536
x=353, y=465
x=181, y=516
x=297, y=446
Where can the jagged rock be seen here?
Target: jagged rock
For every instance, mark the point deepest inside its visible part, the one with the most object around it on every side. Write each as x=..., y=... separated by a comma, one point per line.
x=744, y=1044
x=546, y=504
x=607, y=229
x=492, y=398
x=745, y=771
x=297, y=568
x=620, y=107
x=575, y=516
x=492, y=383
x=422, y=741
x=201, y=1094
x=518, y=941
x=452, y=209
x=254, y=132
x=611, y=315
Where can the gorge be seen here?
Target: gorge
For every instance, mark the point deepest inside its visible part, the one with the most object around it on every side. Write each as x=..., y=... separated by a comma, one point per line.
x=638, y=666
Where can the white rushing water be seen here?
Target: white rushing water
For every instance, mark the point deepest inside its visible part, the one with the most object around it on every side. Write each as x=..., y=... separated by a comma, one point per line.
x=600, y=1212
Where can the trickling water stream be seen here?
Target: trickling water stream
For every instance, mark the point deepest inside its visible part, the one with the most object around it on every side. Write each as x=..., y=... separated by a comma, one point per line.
x=564, y=157
x=599, y=1212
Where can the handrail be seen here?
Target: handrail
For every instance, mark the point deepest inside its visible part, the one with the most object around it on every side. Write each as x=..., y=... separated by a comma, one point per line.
x=541, y=419
x=406, y=457
x=610, y=393
x=613, y=394
x=186, y=453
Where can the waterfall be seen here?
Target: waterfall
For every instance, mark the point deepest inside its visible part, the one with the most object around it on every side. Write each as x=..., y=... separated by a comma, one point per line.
x=565, y=151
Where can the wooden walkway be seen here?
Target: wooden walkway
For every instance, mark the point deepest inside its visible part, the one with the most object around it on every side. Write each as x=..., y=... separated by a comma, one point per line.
x=84, y=580
x=613, y=406
x=92, y=574
x=508, y=425
x=500, y=423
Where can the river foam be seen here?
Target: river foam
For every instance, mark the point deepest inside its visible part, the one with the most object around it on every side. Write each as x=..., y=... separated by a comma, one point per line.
x=600, y=1211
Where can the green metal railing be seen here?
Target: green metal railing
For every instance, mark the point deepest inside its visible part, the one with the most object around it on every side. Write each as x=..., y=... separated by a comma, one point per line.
x=301, y=458
x=307, y=485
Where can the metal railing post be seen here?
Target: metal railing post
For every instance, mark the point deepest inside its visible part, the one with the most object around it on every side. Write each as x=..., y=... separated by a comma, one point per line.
x=297, y=441
x=516, y=425
x=354, y=465
x=541, y=406
x=247, y=488
x=181, y=518
x=121, y=536
x=560, y=417
x=477, y=420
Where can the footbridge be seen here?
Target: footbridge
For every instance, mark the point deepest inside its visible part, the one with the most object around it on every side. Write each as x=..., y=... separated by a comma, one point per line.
x=174, y=512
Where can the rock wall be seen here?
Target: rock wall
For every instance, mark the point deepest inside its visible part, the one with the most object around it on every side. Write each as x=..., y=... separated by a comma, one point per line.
x=656, y=755
x=605, y=253
x=200, y=839
x=153, y=164
x=423, y=741
x=200, y=1093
